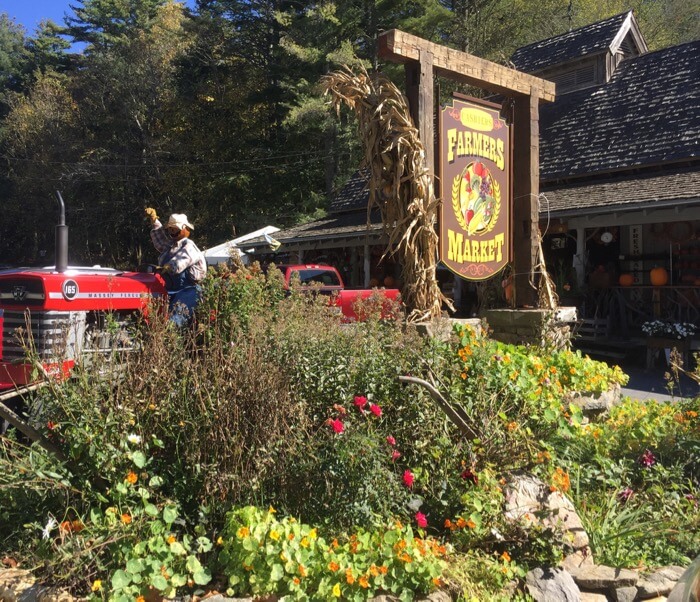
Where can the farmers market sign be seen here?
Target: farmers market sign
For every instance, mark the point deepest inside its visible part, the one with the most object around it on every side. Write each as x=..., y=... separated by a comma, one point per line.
x=475, y=181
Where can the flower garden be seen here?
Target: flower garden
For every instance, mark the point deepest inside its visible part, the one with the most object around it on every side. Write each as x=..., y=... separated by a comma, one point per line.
x=274, y=451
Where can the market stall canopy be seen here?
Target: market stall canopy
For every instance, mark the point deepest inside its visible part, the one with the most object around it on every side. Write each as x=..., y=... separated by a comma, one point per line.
x=222, y=253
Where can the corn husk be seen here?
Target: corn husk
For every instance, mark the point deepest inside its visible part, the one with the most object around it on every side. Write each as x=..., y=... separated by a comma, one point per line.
x=400, y=184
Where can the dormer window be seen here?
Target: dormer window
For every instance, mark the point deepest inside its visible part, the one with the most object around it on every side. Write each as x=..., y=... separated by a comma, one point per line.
x=567, y=81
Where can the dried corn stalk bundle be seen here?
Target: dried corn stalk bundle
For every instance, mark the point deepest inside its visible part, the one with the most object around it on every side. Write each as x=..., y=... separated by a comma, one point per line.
x=547, y=291
x=399, y=184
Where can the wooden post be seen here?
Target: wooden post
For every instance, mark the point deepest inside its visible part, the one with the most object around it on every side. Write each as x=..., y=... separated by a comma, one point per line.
x=419, y=91
x=526, y=187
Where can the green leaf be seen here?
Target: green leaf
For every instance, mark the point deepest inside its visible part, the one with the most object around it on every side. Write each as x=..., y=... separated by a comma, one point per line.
x=202, y=577
x=159, y=582
x=193, y=565
x=169, y=514
x=134, y=565
x=120, y=579
x=150, y=509
x=277, y=572
x=177, y=548
x=139, y=459
x=178, y=580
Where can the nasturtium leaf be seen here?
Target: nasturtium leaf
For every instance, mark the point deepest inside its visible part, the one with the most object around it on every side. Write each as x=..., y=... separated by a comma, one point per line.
x=277, y=572
x=150, y=509
x=249, y=544
x=178, y=580
x=139, y=459
x=169, y=514
x=193, y=565
x=177, y=548
x=202, y=577
x=134, y=565
x=120, y=579
x=159, y=582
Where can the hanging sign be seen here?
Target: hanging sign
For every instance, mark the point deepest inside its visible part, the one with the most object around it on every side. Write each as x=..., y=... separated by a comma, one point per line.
x=475, y=181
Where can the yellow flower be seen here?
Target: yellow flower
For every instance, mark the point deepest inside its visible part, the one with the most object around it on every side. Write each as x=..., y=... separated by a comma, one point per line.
x=220, y=541
x=96, y=585
x=243, y=532
x=313, y=534
x=274, y=535
x=336, y=590
x=304, y=543
x=283, y=557
x=271, y=510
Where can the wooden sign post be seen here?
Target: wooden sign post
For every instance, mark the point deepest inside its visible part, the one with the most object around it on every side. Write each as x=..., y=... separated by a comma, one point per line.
x=423, y=59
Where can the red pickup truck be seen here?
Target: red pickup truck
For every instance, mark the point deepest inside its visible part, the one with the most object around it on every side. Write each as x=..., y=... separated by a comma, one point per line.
x=328, y=281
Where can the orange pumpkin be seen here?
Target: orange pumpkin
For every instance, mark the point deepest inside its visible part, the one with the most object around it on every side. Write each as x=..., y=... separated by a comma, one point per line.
x=658, y=276
x=626, y=280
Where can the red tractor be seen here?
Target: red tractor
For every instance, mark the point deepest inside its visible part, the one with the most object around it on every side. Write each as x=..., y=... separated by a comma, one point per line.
x=67, y=309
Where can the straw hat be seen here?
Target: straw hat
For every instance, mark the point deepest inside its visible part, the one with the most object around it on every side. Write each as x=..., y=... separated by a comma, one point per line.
x=179, y=221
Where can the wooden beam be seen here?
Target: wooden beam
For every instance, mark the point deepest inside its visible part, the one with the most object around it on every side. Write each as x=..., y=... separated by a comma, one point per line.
x=526, y=183
x=419, y=91
x=401, y=47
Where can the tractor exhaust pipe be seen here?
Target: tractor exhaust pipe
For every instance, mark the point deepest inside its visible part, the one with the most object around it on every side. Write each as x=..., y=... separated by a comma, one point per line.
x=61, y=237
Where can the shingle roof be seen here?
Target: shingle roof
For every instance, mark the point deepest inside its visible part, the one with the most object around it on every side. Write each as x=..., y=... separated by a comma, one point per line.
x=588, y=40
x=352, y=196
x=667, y=187
x=649, y=113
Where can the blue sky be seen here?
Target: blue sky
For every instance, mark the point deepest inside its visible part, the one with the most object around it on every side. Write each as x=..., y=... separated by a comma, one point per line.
x=29, y=13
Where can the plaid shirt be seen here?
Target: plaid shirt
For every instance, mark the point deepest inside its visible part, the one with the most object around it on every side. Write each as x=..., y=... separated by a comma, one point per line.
x=180, y=254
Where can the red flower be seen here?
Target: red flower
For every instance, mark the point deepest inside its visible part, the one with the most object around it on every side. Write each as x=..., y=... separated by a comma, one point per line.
x=337, y=426
x=647, y=459
x=360, y=402
x=395, y=455
x=408, y=478
x=51, y=425
x=470, y=476
x=375, y=409
x=390, y=440
x=421, y=520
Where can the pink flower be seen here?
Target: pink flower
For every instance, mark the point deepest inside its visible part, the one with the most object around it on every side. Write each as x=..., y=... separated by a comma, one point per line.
x=360, y=402
x=408, y=478
x=421, y=520
x=395, y=455
x=647, y=459
x=625, y=494
x=337, y=426
x=390, y=440
x=375, y=409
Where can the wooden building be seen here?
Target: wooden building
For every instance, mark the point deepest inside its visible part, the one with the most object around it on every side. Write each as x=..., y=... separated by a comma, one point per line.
x=619, y=182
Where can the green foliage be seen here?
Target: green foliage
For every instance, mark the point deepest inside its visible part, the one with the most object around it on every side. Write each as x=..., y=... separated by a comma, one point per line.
x=262, y=555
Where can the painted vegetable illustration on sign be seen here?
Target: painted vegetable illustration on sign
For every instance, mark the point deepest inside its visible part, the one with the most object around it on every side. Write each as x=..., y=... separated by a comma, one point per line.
x=476, y=198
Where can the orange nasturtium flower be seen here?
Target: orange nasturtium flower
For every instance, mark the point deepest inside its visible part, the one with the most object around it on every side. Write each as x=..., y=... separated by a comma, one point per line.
x=126, y=518
x=172, y=538
x=505, y=557
x=132, y=477
x=333, y=566
x=363, y=582
x=349, y=577
x=140, y=599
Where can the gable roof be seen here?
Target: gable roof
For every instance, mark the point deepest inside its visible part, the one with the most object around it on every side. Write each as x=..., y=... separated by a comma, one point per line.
x=353, y=195
x=589, y=40
x=648, y=114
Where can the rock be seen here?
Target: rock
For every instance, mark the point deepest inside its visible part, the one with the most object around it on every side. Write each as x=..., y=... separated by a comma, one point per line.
x=222, y=598
x=551, y=585
x=599, y=577
x=624, y=594
x=594, y=404
x=582, y=557
x=437, y=596
x=660, y=582
x=526, y=496
x=593, y=597
x=384, y=598
x=688, y=587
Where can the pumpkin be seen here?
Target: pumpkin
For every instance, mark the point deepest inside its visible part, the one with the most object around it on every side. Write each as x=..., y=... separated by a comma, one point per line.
x=626, y=280
x=658, y=276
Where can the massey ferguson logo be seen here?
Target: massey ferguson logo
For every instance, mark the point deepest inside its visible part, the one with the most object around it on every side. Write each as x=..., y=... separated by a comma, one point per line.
x=19, y=293
x=69, y=289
